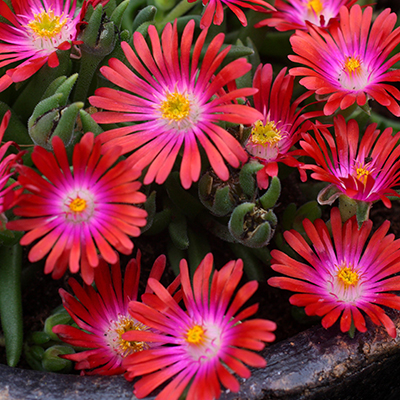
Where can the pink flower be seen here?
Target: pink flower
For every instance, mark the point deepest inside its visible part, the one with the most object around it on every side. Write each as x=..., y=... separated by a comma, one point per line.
x=173, y=102
x=73, y=215
x=295, y=14
x=203, y=345
x=343, y=276
x=214, y=12
x=364, y=169
x=34, y=32
x=103, y=317
x=8, y=196
x=350, y=63
x=273, y=137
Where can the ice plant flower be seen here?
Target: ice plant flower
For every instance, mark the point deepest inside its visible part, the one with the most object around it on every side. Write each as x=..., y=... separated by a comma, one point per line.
x=74, y=215
x=272, y=138
x=34, y=32
x=214, y=12
x=296, y=14
x=174, y=102
x=342, y=276
x=103, y=317
x=350, y=62
x=8, y=194
x=364, y=169
x=203, y=345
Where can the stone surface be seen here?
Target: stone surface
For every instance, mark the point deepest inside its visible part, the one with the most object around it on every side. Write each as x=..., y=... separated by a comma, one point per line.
x=316, y=364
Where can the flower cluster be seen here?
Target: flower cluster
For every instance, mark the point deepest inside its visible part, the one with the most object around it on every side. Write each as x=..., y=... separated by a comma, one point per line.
x=184, y=133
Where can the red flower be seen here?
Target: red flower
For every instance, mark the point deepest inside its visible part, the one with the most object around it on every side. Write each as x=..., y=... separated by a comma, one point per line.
x=344, y=275
x=103, y=317
x=365, y=170
x=273, y=137
x=350, y=62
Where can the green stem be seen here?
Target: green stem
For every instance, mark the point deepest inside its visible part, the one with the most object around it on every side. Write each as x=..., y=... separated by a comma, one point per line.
x=182, y=8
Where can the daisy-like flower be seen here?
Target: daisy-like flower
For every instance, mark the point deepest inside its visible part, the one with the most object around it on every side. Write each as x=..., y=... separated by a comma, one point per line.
x=350, y=62
x=36, y=29
x=76, y=214
x=214, y=12
x=364, y=170
x=272, y=138
x=295, y=14
x=174, y=102
x=203, y=345
x=344, y=275
x=103, y=317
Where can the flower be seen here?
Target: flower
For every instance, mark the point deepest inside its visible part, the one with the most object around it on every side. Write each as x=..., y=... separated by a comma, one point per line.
x=103, y=317
x=34, y=32
x=346, y=275
x=272, y=137
x=214, y=12
x=170, y=104
x=363, y=170
x=296, y=14
x=205, y=344
x=8, y=196
x=349, y=63
x=78, y=213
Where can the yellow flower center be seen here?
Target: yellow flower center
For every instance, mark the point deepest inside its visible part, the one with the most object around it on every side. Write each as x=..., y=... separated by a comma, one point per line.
x=46, y=24
x=315, y=6
x=125, y=347
x=268, y=133
x=77, y=205
x=176, y=107
x=352, y=65
x=195, y=335
x=362, y=174
x=348, y=276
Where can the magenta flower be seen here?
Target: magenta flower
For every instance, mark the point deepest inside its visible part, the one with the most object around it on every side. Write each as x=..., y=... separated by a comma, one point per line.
x=8, y=196
x=296, y=14
x=350, y=62
x=34, y=32
x=173, y=102
x=203, y=345
x=103, y=317
x=346, y=275
x=214, y=12
x=363, y=169
x=273, y=137
x=76, y=214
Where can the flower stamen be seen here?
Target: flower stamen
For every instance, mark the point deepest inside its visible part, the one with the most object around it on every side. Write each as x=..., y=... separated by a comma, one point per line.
x=315, y=5
x=195, y=335
x=176, y=107
x=268, y=133
x=46, y=24
x=347, y=276
x=353, y=65
x=78, y=205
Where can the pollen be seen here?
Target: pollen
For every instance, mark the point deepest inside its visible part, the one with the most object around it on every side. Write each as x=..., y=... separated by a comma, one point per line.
x=315, y=6
x=47, y=25
x=362, y=174
x=176, y=107
x=352, y=65
x=195, y=335
x=77, y=205
x=117, y=329
x=348, y=276
x=265, y=134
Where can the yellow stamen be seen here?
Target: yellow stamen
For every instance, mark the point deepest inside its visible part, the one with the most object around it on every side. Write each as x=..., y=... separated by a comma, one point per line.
x=352, y=65
x=268, y=133
x=46, y=24
x=176, y=107
x=362, y=174
x=347, y=276
x=77, y=205
x=195, y=335
x=125, y=325
x=315, y=5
